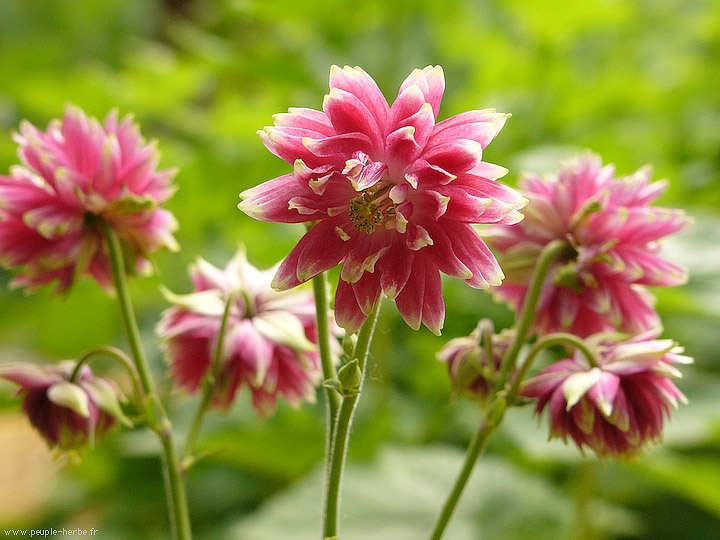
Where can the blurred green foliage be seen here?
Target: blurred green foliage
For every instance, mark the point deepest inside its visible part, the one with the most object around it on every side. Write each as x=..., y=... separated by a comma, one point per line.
x=636, y=81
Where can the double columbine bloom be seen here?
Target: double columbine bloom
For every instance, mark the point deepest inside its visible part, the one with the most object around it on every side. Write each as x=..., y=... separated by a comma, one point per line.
x=73, y=174
x=614, y=234
x=269, y=342
x=392, y=194
x=68, y=414
x=617, y=407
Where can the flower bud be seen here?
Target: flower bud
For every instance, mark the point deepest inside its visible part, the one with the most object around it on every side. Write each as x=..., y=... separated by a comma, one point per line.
x=472, y=372
x=350, y=377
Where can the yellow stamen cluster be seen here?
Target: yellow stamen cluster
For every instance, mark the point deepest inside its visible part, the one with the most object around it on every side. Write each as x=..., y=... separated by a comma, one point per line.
x=367, y=212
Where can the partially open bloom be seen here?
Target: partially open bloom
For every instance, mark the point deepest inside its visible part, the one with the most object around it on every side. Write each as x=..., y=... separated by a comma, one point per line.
x=472, y=370
x=614, y=235
x=392, y=194
x=618, y=407
x=74, y=174
x=269, y=342
x=67, y=414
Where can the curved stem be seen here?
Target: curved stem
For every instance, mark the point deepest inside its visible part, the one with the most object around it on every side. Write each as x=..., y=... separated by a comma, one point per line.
x=342, y=429
x=120, y=356
x=210, y=381
x=154, y=411
x=527, y=316
x=558, y=338
x=493, y=415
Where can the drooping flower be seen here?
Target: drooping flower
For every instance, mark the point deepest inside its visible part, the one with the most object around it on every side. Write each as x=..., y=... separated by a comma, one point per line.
x=472, y=371
x=73, y=174
x=68, y=414
x=269, y=342
x=614, y=234
x=618, y=407
x=392, y=194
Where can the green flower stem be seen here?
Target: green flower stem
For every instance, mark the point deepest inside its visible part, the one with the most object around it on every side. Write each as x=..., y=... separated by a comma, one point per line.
x=154, y=412
x=527, y=316
x=487, y=329
x=342, y=429
x=210, y=381
x=494, y=413
x=558, y=338
x=124, y=360
x=320, y=288
x=477, y=445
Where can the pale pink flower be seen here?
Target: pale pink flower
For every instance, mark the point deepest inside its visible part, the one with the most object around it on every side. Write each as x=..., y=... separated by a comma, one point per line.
x=614, y=235
x=74, y=174
x=67, y=414
x=269, y=342
x=619, y=407
x=472, y=371
x=392, y=194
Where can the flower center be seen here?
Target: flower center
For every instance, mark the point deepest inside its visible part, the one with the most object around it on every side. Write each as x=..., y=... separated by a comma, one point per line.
x=372, y=204
x=370, y=208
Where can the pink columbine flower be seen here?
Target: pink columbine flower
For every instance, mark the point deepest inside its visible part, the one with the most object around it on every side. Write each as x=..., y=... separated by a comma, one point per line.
x=67, y=414
x=618, y=407
x=73, y=174
x=614, y=234
x=269, y=342
x=392, y=194
x=472, y=371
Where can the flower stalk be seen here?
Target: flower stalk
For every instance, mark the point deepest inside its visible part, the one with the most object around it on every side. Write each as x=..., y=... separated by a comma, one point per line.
x=558, y=338
x=210, y=381
x=341, y=433
x=154, y=412
x=320, y=289
x=493, y=414
x=123, y=359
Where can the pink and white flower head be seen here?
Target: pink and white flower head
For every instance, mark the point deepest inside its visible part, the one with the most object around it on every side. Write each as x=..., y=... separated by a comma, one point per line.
x=618, y=407
x=73, y=174
x=614, y=234
x=472, y=371
x=392, y=194
x=269, y=340
x=68, y=414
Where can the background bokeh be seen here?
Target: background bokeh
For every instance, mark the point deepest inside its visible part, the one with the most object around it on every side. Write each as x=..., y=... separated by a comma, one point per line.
x=636, y=81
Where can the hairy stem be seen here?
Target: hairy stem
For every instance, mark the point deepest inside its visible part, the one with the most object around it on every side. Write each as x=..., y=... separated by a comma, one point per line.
x=527, y=315
x=492, y=416
x=343, y=424
x=154, y=411
x=476, y=447
x=320, y=288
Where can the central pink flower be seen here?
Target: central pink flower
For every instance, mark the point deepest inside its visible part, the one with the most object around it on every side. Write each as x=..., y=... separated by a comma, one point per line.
x=391, y=193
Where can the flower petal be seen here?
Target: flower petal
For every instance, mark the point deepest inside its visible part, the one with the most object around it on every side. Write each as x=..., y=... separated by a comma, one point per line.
x=431, y=82
x=269, y=200
x=319, y=250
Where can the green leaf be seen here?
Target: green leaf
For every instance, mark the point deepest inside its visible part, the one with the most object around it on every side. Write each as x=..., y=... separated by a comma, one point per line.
x=399, y=496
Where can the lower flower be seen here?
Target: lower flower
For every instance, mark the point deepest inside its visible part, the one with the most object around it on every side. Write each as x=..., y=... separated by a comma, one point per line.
x=618, y=407
x=68, y=414
x=269, y=343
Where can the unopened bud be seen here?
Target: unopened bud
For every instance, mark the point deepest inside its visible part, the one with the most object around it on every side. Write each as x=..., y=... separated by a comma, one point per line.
x=348, y=345
x=350, y=377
